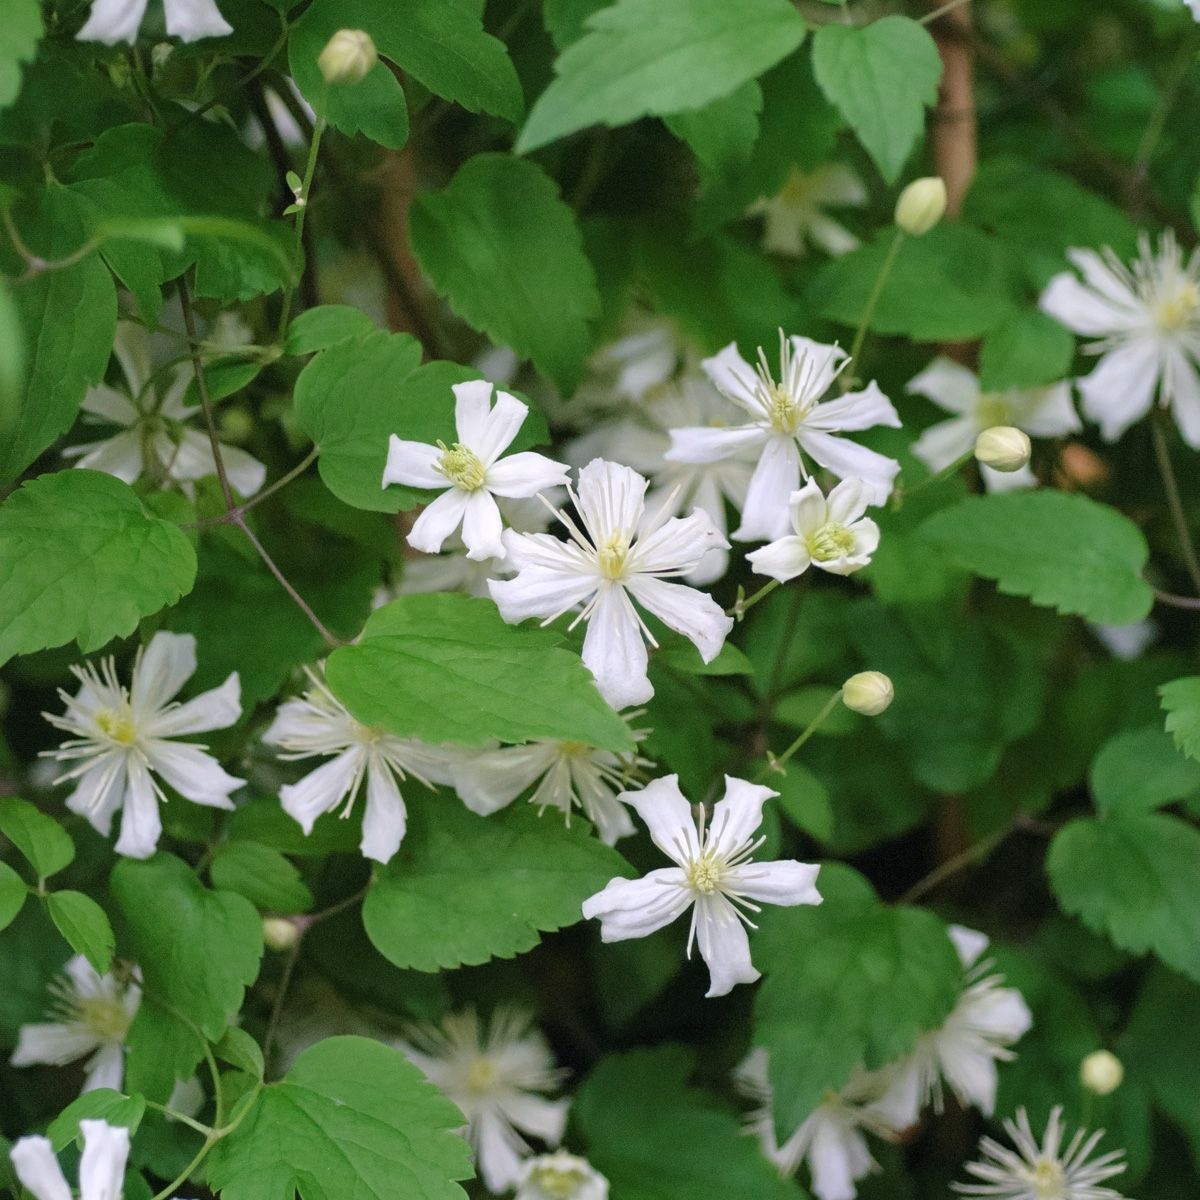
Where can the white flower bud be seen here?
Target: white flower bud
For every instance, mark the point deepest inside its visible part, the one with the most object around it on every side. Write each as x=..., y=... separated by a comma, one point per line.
x=1101, y=1072
x=348, y=56
x=921, y=205
x=1003, y=448
x=279, y=933
x=868, y=692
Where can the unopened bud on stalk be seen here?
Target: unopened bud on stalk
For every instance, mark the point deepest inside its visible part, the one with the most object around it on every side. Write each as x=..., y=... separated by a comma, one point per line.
x=868, y=692
x=1101, y=1072
x=348, y=56
x=279, y=933
x=1003, y=448
x=921, y=205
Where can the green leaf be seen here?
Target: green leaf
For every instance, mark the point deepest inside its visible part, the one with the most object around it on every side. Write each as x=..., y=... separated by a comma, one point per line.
x=655, y=1138
x=353, y=1117
x=12, y=363
x=818, y=1011
x=68, y=316
x=503, y=248
x=722, y=133
x=447, y=668
x=882, y=77
x=1138, y=770
x=262, y=875
x=465, y=888
x=80, y=557
x=85, y=926
x=239, y=1049
x=12, y=895
x=19, y=37
x=1060, y=550
x=161, y=1049
x=324, y=326
x=654, y=57
x=1181, y=700
x=1026, y=350
x=104, y=1104
x=1135, y=878
x=804, y=800
x=41, y=840
x=198, y=949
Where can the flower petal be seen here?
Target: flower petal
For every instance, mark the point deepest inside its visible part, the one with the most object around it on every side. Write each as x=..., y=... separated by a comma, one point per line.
x=782, y=882
x=694, y=614
x=488, y=781
x=385, y=818
x=1184, y=392
x=412, y=464
x=666, y=813
x=113, y=406
x=498, y=1151
x=193, y=773
x=610, y=500
x=838, y=1157
x=37, y=1168
x=536, y=1115
x=853, y=412
x=500, y=427
x=52, y=1043
x=807, y=509
x=322, y=790
x=191, y=20
x=120, y=456
x=848, y=501
x=113, y=21
x=167, y=663
x=969, y=943
x=723, y=944
x=99, y=792
x=438, y=521
x=1083, y=310
x=102, y=1164
x=949, y=385
x=777, y=476
x=472, y=403
x=818, y=362
x=540, y=592
x=218, y=708
x=634, y=908
x=734, y=377
x=783, y=559
x=141, y=825
x=677, y=545
x=711, y=443
x=482, y=528
x=737, y=815
x=849, y=460
x=106, y=1068
x=943, y=443
x=244, y=471
x=1120, y=390
x=613, y=649
x=525, y=474
x=1051, y=412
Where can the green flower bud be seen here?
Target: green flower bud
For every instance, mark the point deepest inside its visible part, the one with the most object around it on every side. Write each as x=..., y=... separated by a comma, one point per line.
x=348, y=56
x=868, y=692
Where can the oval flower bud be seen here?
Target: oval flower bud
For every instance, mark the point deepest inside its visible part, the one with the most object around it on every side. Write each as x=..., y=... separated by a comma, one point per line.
x=921, y=205
x=348, y=56
x=868, y=692
x=1101, y=1072
x=279, y=933
x=1003, y=448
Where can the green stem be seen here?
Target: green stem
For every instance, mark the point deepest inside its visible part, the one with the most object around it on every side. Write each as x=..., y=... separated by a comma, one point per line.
x=743, y=604
x=777, y=765
x=952, y=866
x=231, y=518
x=860, y=333
x=183, y=1118
x=1158, y=118
x=1162, y=454
x=946, y=472
x=310, y=168
x=949, y=6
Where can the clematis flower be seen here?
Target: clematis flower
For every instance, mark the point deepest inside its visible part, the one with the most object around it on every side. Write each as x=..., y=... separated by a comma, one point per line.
x=714, y=875
x=560, y=1176
x=124, y=739
x=796, y=213
x=497, y=1073
x=471, y=473
x=985, y=1022
x=832, y=1139
x=1145, y=319
x=101, y=1166
x=1039, y=412
x=1046, y=1171
x=618, y=556
x=649, y=354
x=154, y=438
x=93, y=1013
x=318, y=724
x=830, y=533
x=113, y=21
x=788, y=420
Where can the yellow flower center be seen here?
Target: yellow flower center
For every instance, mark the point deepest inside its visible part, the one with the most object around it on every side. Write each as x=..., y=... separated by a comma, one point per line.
x=558, y=1182
x=481, y=1076
x=462, y=467
x=830, y=541
x=612, y=556
x=1177, y=306
x=782, y=410
x=992, y=410
x=106, y=1018
x=704, y=875
x=117, y=726
x=1047, y=1179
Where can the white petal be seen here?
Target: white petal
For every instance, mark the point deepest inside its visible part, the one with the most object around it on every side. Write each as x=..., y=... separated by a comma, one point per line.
x=472, y=403
x=783, y=559
x=723, y=944
x=245, y=472
x=710, y=443
x=113, y=21
x=838, y=1157
x=141, y=826
x=732, y=375
x=193, y=773
x=488, y=781
x=777, y=476
x=634, y=908
x=113, y=406
x=53, y=1044
x=385, y=818
x=848, y=501
x=900, y=1104
x=666, y=813
x=949, y=385
x=500, y=427
x=820, y=364
x=1121, y=388
x=969, y=943
x=438, y=521
x=218, y=708
x=613, y=649
x=120, y=456
x=849, y=460
x=807, y=509
x=678, y=544
x=854, y=411
x=412, y=464
x=322, y=790
x=37, y=1168
x=694, y=614
x=167, y=663
x=1082, y=310
x=99, y=792
x=1007, y=481
x=102, y=1164
x=538, y=592
x=482, y=528
x=525, y=474
x=499, y=1151
x=610, y=498
x=1052, y=413
x=737, y=815
x=1184, y=393
x=782, y=882
x=943, y=443
x=831, y=236
x=191, y=20
x=106, y=1069
x=536, y=1115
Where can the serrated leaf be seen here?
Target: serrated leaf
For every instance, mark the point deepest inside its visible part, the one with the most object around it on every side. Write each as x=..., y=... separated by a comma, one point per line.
x=161, y=1049
x=103, y=1104
x=825, y=969
x=1181, y=701
x=653, y=57
x=198, y=949
x=41, y=840
x=655, y=1138
x=324, y=326
x=80, y=557
x=447, y=668
x=239, y=1049
x=1138, y=770
x=1061, y=550
x=1026, y=350
x=1134, y=878
x=85, y=926
x=351, y=1118
x=262, y=875
x=804, y=800
x=465, y=888
x=12, y=895
x=882, y=77
x=722, y=133
x=501, y=245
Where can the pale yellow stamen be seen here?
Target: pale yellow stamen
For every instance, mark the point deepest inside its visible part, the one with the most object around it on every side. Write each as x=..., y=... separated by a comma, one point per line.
x=481, y=1076
x=612, y=556
x=1047, y=1179
x=106, y=1018
x=783, y=411
x=993, y=410
x=704, y=875
x=117, y=726
x=559, y=1183
x=461, y=466
x=1177, y=306
x=830, y=541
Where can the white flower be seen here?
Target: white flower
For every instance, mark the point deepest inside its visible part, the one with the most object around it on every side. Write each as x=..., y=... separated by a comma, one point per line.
x=93, y=1014
x=830, y=533
x=1042, y=412
x=643, y=359
x=319, y=724
x=113, y=21
x=560, y=1176
x=796, y=213
x=101, y=1166
x=1194, y=8
x=831, y=1138
x=1045, y=1172
x=124, y=738
x=618, y=556
x=494, y=1073
x=788, y=421
x=469, y=473
x=986, y=1021
x=1126, y=642
x=572, y=774
x=154, y=438
x=714, y=875
x=1146, y=322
